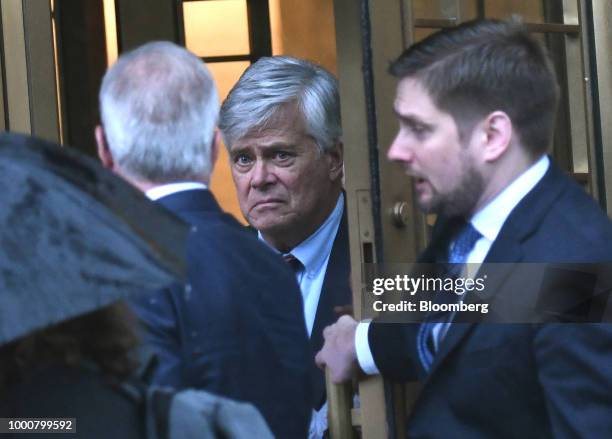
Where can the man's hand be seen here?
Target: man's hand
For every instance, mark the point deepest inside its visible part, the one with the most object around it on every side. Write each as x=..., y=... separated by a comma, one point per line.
x=338, y=353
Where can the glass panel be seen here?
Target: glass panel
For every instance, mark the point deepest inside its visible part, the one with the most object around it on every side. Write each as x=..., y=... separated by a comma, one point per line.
x=226, y=74
x=444, y=9
x=216, y=27
x=530, y=10
x=110, y=25
x=543, y=11
x=422, y=33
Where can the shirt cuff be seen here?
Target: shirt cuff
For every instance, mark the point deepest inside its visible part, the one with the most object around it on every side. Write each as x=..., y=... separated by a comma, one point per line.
x=362, y=348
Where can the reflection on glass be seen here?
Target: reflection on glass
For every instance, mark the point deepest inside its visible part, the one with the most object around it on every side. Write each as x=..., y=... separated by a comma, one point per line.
x=443, y=9
x=542, y=11
x=422, y=33
x=216, y=28
x=226, y=74
x=531, y=11
x=110, y=29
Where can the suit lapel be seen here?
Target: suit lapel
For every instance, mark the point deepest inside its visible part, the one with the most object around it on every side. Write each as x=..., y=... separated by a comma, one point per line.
x=520, y=224
x=336, y=285
x=334, y=291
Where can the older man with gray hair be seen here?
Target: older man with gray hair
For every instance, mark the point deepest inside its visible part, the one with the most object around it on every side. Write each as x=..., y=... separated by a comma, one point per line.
x=236, y=327
x=281, y=125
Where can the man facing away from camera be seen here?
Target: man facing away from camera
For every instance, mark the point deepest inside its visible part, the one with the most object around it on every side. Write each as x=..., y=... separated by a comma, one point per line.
x=236, y=327
x=476, y=108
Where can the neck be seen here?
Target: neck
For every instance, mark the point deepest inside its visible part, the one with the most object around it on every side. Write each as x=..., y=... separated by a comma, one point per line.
x=502, y=173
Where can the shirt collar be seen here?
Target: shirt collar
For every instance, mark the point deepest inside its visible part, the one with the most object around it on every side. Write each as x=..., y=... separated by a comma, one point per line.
x=490, y=219
x=314, y=250
x=162, y=190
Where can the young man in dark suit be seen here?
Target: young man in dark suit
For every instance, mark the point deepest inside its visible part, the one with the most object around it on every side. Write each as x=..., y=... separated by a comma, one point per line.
x=236, y=327
x=281, y=125
x=476, y=107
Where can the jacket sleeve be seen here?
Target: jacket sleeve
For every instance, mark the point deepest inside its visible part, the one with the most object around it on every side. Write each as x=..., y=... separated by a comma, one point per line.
x=156, y=313
x=393, y=347
x=574, y=363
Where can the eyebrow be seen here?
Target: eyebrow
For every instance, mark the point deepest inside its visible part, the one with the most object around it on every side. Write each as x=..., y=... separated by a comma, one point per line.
x=402, y=116
x=409, y=118
x=266, y=148
x=239, y=150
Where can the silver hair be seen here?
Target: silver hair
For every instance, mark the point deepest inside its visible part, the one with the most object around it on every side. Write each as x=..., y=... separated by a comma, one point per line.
x=274, y=81
x=159, y=107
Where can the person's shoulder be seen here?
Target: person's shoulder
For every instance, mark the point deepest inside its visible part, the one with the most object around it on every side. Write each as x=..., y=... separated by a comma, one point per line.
x=577, y=226
x=224, y=229
x=221, y=240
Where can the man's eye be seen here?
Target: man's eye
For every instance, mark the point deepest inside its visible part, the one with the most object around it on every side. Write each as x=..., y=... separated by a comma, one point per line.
x=242, y=159
x=282, y=155
x=419, y=129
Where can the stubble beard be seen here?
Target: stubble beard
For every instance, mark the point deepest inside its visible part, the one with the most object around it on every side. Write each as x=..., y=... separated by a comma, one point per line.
x=462, y=200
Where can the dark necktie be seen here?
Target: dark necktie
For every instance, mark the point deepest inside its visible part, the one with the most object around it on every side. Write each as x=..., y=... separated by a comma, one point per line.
x=293, y=262
x=457, y=256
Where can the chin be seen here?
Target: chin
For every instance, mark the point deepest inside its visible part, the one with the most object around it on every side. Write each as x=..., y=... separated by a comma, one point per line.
x=426, y=205
x=267, y=225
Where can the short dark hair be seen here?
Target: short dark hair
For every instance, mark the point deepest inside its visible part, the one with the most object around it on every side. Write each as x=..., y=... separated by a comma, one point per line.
x=483, y=66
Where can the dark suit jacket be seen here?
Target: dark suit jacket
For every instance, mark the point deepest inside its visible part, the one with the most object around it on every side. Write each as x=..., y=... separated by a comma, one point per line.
x=237, y=328
x=516, y=380
x=336, y=291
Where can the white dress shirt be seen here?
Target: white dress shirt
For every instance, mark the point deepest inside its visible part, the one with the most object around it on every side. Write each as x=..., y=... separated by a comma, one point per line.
x=488, y=221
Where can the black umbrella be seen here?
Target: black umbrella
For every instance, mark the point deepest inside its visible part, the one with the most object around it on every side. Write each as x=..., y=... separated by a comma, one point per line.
x=74, y=237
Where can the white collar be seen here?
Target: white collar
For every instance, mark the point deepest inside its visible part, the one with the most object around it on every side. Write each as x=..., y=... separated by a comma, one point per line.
x=162, y=190
x=490, y=219
x=314, y=250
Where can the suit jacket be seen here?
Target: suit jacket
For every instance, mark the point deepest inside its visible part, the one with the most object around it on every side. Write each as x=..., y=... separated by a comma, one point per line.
x=335, y=291
x=516, y=380
x=236, y=328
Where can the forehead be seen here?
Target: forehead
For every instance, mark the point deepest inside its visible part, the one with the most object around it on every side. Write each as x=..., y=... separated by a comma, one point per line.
x=285, y=127
x=413, y=100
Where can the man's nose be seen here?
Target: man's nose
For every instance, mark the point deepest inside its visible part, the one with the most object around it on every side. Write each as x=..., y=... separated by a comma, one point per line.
x=262, y=174
x=400, y=151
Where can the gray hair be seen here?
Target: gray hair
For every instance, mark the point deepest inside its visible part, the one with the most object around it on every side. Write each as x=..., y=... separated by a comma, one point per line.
x=159, y=107
x=273, y=81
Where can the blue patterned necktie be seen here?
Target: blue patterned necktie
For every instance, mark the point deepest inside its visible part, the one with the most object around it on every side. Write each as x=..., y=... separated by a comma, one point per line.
x=457, y=256
x=464, y=244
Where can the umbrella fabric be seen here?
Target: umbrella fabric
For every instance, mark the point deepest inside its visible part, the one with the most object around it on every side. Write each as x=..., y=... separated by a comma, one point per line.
x=74, y=237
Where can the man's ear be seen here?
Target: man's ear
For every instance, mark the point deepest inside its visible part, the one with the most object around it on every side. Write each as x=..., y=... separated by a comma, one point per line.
x=104, y=153
x=336, y=161
x=214, y=148
x=496, y=133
